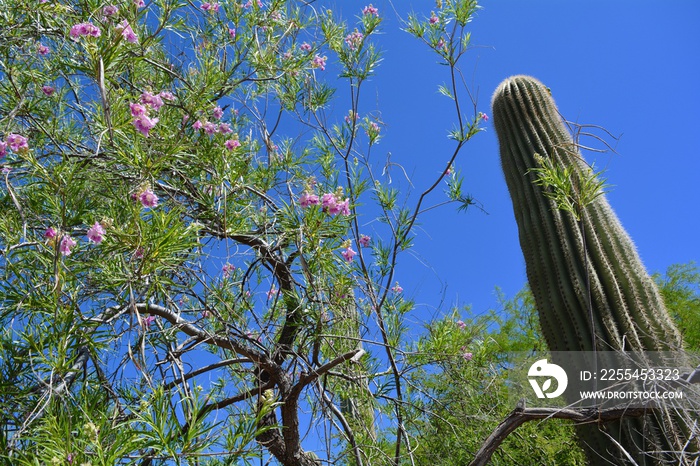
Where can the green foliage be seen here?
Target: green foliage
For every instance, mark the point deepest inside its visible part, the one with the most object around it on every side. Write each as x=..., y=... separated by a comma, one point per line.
x=466, y=395
x=680, y=287
x=186, y=266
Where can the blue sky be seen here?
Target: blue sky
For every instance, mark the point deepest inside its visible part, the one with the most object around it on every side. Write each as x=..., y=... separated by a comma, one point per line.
x=629, y=67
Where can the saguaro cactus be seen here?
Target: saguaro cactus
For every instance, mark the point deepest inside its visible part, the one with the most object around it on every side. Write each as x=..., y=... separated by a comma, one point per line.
x=591, y=290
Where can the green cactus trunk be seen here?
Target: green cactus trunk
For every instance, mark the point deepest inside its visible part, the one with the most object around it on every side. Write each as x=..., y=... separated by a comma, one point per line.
x=590, y=287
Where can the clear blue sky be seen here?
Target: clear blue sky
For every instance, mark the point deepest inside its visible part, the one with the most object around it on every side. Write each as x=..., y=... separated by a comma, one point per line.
x=629, y=66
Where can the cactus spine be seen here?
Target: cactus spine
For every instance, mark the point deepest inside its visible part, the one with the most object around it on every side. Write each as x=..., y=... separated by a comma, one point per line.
x=591, y=290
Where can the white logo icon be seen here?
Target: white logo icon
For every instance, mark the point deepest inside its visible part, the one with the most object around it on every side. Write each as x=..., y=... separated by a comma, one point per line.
x=542, y=368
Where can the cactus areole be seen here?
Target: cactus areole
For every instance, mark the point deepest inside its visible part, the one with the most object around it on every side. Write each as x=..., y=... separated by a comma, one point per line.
x=591, y=290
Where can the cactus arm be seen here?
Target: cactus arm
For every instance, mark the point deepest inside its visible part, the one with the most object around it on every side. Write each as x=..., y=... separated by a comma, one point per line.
x=561, y=266
x=590, y=287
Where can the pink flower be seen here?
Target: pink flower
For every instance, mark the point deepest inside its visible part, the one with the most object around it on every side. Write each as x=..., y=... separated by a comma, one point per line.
x=149, y=320
x=433, y=18
x=138, y=254
x=211, y=7
x=441, y=43
x=397, y=288
x=84, y=29
x=332, y=206
x=348, y=254
x=48, y=90
x=467, y=356
x=305, y=47
x=128, y=34
x=272, y=293
x=483, y=116
x=232, y=32
x=139, y=3
x=209, y=128
x=17, y=143
x=155, y=101
x=66, y=243
x=148, y=198
x=373, y=128
x=95, y=234
x=50, y=233
x=224, y=128
x=110, y=10
x=364, y=241
x=231, y=144
x=319, y=62
x=3, y=149
x=307, y=200
x=42, y=50
x=343, y=207
x=228, y=270
x=197, y=124
x=370, y=10
x=461, y=325
x=217, y=113
x=145, y=124
x=328, y=201
x=354, y=40
x=167, y=95
x=137, y=110
x=350, y=117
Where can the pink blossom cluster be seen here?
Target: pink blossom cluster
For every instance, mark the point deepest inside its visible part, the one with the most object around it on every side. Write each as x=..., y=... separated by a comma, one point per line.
x=331, y=203
x=354, y=40
x=350, y=117
x=364, y=241
x=397, y=288
x=273, y=292
x=232, y=144
x=15, y=142
x=466, y=355
x=42, y=50
x=305, y=47
x=319, y=62
x=127, y=32
x=147, y=321
x=373, y=129
x=433, y=18
x=96, y=233
x=66, y=243
x=110, y=10
x=147, y=198
x=211, y=128
x=370, y=10
x=84, y=29
x=228, y=270
x=211, y=7
x=348, y=254
x=141, y=111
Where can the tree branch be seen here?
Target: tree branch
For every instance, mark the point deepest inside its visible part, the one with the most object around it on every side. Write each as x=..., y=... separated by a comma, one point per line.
x=521, y=415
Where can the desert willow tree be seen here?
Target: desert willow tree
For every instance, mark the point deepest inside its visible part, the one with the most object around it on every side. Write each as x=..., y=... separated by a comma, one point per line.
x=186, y=271
x=590, y=287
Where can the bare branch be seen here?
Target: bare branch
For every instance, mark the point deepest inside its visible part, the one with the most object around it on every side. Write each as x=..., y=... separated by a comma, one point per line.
x=521, y=415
